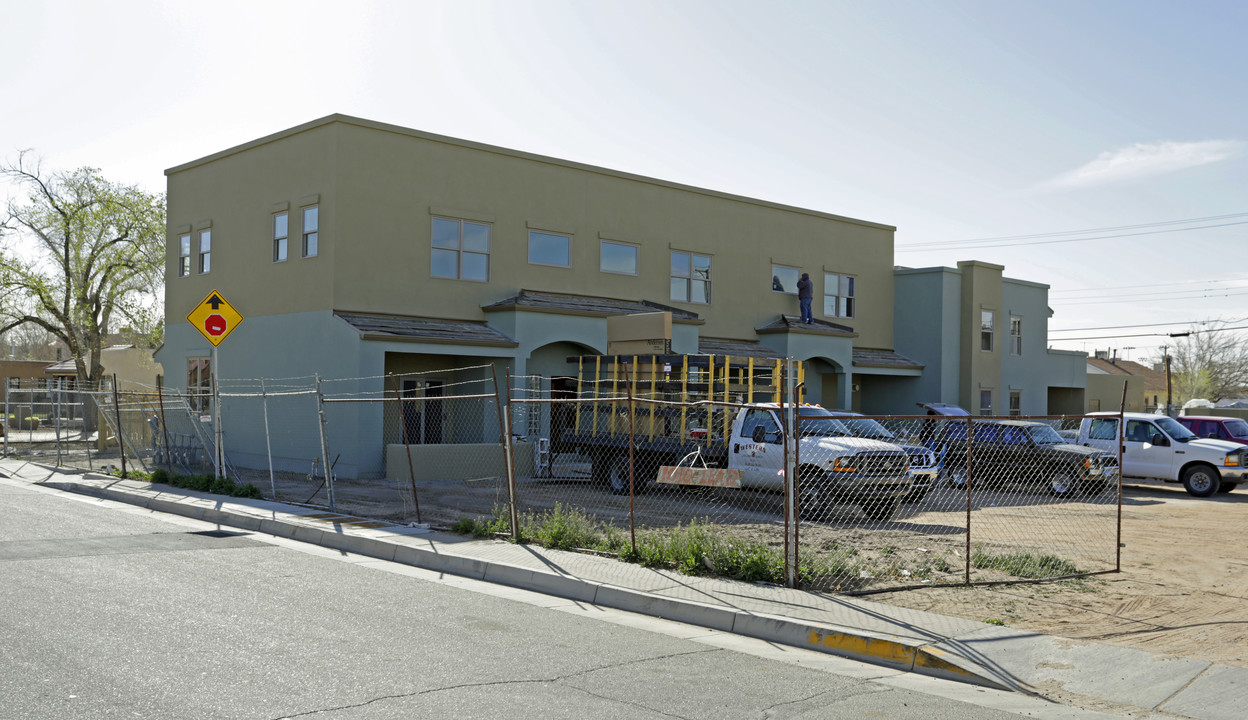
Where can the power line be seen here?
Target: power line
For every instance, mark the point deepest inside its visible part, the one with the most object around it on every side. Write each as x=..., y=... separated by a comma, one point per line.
x=1144, y=297
x=963, y=244
x=1171, y=335
x=1147, y=285
x=1124, y=327
x=1158, y=295
x=1096, y=230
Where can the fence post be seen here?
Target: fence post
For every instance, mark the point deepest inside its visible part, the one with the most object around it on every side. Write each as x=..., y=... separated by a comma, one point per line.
x=56, y=410
x=411, y=470
x=970, y=433
x=164, y=427
x=8, y=424
x=329, y=475
x=508, y=461
x=121, y=448
x=632, y=455
x=268, y=444
x=788, y=416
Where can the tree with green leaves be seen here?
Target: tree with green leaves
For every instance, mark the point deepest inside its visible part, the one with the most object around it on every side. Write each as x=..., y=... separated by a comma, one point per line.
x=79, y=253
x=1209, y=362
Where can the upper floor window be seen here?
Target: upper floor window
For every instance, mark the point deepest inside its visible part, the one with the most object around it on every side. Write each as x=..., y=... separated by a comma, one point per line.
x=784, y=279
x=1016, y=335
x=311, y=227
x=281, y=231
x=987, y=319
x=205, y=251
x=184, y=255
x=617, y=258
x=550, y=249
x=691, y=277
x=838, y=295
x=461, y=250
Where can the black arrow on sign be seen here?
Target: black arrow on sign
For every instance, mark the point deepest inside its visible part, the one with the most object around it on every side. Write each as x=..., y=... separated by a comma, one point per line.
x=215, y=301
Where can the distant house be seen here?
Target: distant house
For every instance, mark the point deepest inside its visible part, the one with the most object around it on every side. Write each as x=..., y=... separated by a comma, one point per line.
x=134, y=366
x=1147, y=394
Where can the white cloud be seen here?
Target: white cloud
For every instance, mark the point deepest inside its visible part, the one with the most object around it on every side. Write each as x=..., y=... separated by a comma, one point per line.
x=1146, y=159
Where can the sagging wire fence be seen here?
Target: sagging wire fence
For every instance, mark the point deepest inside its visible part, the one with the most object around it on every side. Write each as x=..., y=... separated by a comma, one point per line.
x=713, y=470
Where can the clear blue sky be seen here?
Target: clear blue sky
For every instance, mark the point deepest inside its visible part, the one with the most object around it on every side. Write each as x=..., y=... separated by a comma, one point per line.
x=955, y=121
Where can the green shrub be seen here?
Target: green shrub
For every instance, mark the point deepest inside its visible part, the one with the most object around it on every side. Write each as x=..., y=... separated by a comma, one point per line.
x=160, y=475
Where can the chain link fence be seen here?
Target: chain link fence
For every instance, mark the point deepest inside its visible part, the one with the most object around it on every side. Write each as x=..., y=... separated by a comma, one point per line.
x=716, y=474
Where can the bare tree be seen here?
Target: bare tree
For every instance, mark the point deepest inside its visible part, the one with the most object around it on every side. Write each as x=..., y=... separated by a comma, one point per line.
x=78, y=254
x=1211, y=362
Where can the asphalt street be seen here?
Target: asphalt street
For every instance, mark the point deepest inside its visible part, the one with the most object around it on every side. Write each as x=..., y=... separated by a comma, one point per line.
x=114, y=611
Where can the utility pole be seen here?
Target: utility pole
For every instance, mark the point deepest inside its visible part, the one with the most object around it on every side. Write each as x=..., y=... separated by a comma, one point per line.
x=1165, y=349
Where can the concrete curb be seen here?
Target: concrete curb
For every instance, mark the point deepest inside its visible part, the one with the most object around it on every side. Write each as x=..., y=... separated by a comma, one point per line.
x=856, y=644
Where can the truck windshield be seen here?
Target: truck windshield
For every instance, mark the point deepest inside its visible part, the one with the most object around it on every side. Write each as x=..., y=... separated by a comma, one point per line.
x=866, y=428
x=1044, y=435
x=1175, y=430
x=816, y=422
x=1237, y=428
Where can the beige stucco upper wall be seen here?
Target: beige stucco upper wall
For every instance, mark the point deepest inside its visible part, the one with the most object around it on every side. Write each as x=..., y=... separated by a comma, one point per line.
x=379, y=185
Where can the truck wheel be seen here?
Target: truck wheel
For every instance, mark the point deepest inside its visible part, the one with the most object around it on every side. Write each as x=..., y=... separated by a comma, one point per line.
x=1201, y=481
x=617, y=476
x=1061, y=484
x=956, y=477
x=881, y=508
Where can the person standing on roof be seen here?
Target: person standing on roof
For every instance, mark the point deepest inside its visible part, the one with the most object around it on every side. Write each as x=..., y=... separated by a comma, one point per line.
x=805, y=295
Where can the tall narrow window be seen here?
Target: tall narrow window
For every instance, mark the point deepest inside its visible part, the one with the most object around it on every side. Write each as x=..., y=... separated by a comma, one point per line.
x=281, y=231
x=691, y=277
x=311, y=227
x=985, y=402
x=1016, y=335
x=461, y=250
x=205, y=251
x=199, y=384
x=1016, y=402
x=184, y=255
x=986, y=321
x=838, y=295
x=550, y=249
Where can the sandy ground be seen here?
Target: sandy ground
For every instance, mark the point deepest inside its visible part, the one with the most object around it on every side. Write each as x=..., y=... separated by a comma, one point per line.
x=1183, y=588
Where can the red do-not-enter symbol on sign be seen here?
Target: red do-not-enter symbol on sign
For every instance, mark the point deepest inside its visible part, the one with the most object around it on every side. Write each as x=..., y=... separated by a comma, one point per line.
x=215, y=325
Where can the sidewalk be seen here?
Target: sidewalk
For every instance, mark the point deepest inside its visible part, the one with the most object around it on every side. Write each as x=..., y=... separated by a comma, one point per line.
x=899, y=638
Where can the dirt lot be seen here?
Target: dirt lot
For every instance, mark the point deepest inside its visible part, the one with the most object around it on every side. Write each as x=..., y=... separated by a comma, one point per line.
x=1183, y=588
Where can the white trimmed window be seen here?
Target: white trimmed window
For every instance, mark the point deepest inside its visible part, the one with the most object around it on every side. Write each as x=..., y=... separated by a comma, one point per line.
x=838, y=295
x=205, y=251
x=784, y=279
x=987, y=319
x=460, y=250
x=184, y=255
x=311, y=230
x=1016, y=335
x=281, y=232
x=691, y=278
x=550, y=249
x=616, y=257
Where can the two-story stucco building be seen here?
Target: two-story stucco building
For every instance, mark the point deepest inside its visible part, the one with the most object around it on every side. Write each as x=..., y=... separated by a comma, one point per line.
x=355, y=249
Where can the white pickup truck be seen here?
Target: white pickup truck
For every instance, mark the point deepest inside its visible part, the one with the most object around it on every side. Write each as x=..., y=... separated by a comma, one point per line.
x=1156, y=446
x=833, y=467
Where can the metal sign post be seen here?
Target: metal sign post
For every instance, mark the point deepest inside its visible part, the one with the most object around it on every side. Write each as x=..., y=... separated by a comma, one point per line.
x=215, y=319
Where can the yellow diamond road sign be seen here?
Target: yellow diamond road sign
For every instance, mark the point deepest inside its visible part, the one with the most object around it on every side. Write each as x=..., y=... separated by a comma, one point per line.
x=214, y=318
